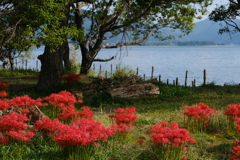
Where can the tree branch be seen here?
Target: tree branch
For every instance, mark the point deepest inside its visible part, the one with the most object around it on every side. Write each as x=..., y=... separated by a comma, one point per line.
x=128, y=44
x=104, y=60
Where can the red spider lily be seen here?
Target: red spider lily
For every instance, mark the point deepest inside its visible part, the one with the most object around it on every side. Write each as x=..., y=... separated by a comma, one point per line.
x=71, y=77
x=50, y=125
x=165, y=133
x=25, y=101
x=68, y=113
x=61, y=99
x=3, y=139
x=4, y=105
x=80, y=132
x=140, y=141
x=3, y=94
x=184, y=157
x=21, y=135
x=233, y=110
x=13, y=122
x=123, y=117
x=237, y=123
x=235, y=151
x=201, y=111
x=86, y=112
x=4, y=84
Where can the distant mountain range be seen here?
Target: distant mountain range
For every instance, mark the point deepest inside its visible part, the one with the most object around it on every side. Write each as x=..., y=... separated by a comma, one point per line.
x=207, y=30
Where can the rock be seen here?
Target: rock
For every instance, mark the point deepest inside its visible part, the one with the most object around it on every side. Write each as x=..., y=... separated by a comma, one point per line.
x=135, y=91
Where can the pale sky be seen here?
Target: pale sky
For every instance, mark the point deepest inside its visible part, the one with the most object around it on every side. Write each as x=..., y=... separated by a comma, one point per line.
x=210, y=8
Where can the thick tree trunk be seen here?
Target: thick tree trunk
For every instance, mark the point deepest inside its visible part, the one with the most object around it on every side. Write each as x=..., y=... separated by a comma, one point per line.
x=67, y=64
x=87, y=60
x=51, y=68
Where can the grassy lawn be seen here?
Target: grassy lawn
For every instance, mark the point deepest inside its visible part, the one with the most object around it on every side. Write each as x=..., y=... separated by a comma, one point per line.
x=214, y=143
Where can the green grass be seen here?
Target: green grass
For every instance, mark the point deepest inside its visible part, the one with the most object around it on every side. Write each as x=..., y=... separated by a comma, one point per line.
x=214, y=144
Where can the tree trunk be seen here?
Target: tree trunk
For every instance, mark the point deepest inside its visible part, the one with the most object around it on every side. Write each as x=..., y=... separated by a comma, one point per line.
x=51, y=68
x=67, y=64
x=87, y=60
x=11, y=60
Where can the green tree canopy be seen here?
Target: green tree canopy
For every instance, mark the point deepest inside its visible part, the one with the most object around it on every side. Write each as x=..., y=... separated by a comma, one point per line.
x=134, y=20
x=90, y=23
x=227, y=13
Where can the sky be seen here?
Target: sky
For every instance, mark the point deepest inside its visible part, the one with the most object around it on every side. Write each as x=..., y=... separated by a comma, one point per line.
x=215, y=3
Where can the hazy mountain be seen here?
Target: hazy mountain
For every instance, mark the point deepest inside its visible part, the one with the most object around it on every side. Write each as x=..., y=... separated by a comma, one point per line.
x=207, y=30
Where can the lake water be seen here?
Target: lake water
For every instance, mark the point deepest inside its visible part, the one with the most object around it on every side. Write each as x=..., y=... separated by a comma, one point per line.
x=222, y=63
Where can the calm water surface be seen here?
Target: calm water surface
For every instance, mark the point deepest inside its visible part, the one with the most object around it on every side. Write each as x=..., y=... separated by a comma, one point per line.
x=222, y=63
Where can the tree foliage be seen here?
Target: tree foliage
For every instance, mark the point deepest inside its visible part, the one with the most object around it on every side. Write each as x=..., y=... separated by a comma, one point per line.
x=133, y=20
x=90, y=24
x=227, y=13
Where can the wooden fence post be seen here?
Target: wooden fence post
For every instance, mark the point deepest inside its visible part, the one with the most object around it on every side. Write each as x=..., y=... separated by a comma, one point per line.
x=204, y=77
x=159, y=79
x=94, y=67
x=106, y=74
x=26, y=64
x=186, y=76
x=152, y=72
x=194, y=83
x=37, y=66
x=111, y=70
x=16, y=64
x=100, y=70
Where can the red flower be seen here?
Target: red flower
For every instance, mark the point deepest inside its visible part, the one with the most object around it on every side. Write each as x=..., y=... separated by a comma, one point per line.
x=165, y=133
x=201, y=112
x=3, y=94
x=25, y=101
x=21, y=135
x=4, y=105
x=235, y=151
x=79, y=132
x=3, y=139
x=71, y=77
x=86, y=112
x=13, y=122
x=4, y=84
x=61, y=99
x=140, y=141
x=233, y=110
x=184, y=157
x=123, y=117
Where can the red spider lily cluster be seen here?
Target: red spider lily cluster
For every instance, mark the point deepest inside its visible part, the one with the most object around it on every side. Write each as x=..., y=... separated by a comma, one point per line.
x=123, y=118
x=235, y=151
x=80, y=132
x=4, y=84
x=201, y=111
x=3, y=94
x=170, y=135
x=65, y=101
x=71, y=77
x=233, y=110
x=14, y=126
